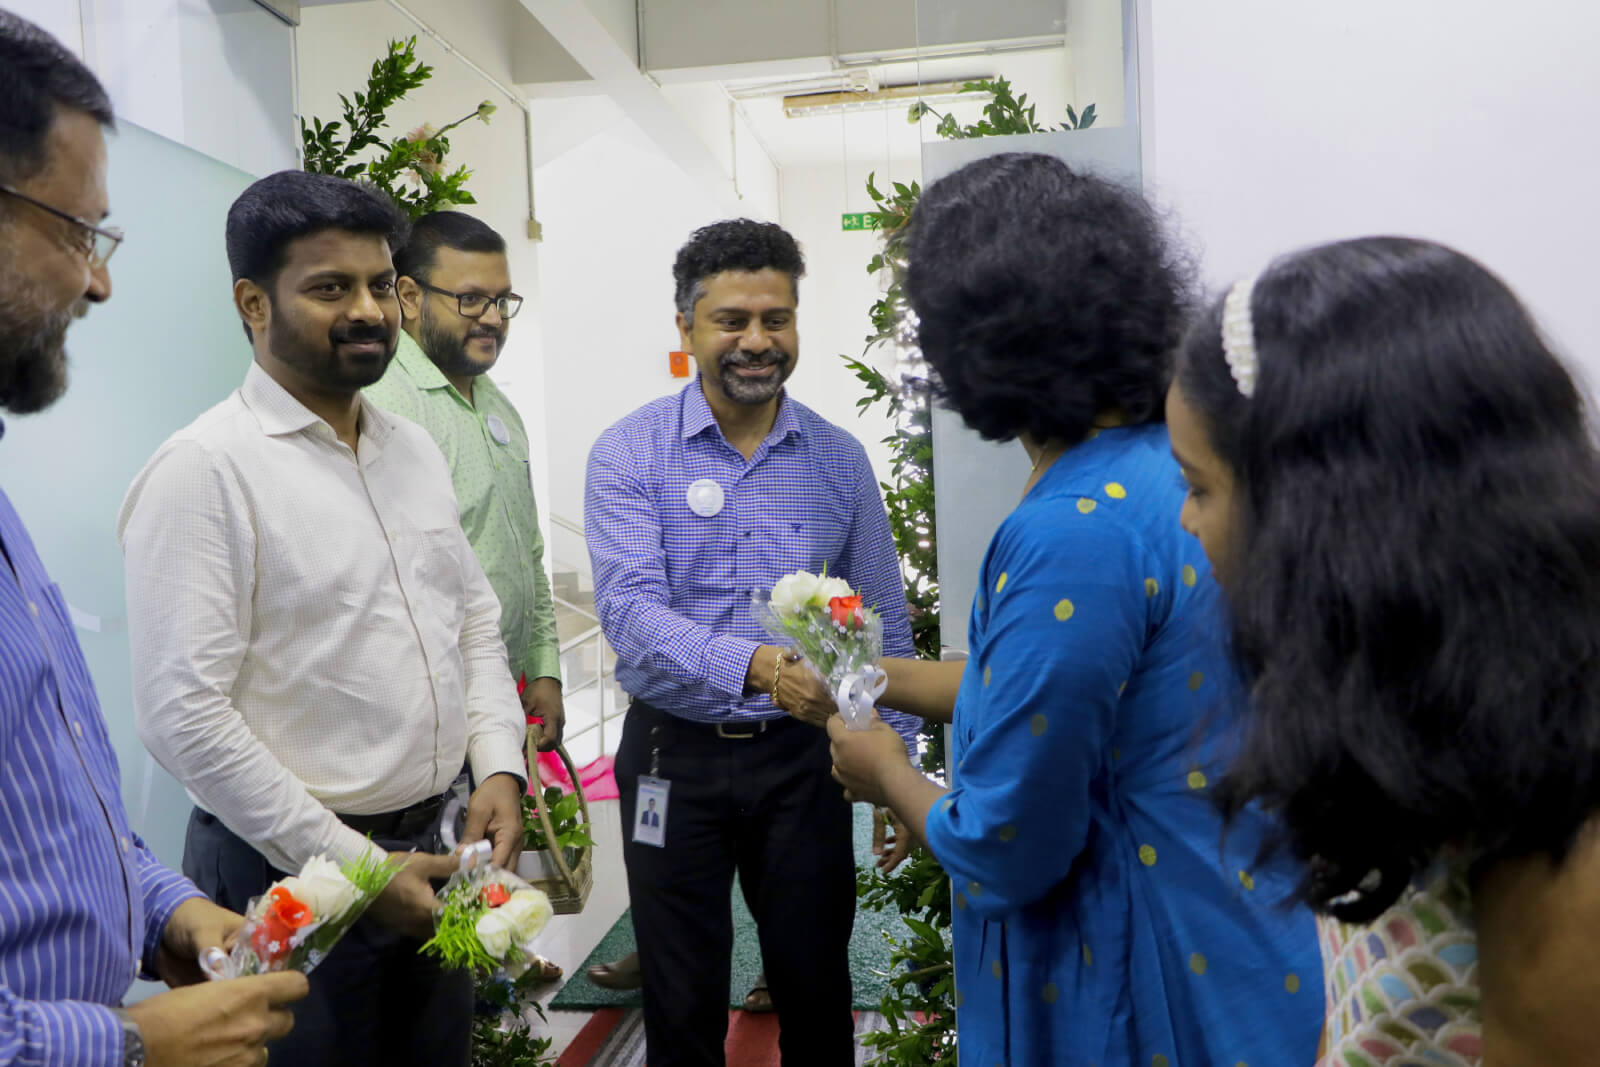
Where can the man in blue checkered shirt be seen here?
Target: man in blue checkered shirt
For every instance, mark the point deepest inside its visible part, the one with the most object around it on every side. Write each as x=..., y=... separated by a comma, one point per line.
x=693, y=501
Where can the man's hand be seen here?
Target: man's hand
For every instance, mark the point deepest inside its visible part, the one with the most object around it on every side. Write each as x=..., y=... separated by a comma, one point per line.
x=541, y=698
x=891, y=843
x=495, y=813
x=218, y=1024
x=407, y=903
x=763, y=662
x=863, y=760
x=195, y=926
x=804, y=695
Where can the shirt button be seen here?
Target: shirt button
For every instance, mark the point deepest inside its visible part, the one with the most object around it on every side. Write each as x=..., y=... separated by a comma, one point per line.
x=438, y=677
x=34, y=608
x=126, y=845
x=77, y=728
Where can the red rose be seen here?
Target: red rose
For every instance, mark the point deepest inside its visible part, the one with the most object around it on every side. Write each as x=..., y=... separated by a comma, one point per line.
x=283, y=916
x=846, y=612
x=494, y=894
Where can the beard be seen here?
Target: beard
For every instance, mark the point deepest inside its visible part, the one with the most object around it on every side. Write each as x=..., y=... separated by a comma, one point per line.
x=742, y=390
x=319, y=359
x=448, y=350
x=33, y=357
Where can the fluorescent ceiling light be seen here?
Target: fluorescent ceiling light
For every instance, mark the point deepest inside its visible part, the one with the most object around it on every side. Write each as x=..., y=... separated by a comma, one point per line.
x=807, y=105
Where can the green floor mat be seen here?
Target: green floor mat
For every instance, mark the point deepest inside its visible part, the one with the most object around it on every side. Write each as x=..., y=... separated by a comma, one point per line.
x=869, y=954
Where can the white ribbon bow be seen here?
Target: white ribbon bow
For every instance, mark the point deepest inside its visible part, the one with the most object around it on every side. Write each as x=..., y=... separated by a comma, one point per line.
x=857, y=693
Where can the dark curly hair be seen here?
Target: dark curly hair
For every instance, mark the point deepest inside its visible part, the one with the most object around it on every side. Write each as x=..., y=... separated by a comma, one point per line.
x=733, y=244
x=1044, y=297
x=1415, y=581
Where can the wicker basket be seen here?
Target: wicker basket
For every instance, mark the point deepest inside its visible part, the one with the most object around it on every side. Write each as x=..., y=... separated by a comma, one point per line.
x=568, y=887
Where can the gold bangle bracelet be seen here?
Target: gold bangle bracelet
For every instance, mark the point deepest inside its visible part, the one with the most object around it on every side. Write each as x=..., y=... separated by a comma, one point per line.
x=777, y=675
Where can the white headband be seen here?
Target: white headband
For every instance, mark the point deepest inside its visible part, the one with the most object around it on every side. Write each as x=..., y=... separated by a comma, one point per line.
x=1239, y=336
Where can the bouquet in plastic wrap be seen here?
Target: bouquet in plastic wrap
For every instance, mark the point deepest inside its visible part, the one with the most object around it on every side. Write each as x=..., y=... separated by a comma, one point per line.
x=297, y=921
x=488, y=917
x=840, y=637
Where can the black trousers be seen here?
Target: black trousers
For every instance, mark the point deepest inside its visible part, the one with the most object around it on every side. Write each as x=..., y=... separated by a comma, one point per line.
x=374, y=1002
x=766, y=807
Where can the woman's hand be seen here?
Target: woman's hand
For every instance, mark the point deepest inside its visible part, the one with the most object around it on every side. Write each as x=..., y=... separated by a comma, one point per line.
x=864, y=760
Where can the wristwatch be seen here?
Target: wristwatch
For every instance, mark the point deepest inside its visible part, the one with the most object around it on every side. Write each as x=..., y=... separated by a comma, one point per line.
x=132, y=1040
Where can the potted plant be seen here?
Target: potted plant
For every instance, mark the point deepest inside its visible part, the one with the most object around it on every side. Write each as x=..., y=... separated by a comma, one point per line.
x=571, y=834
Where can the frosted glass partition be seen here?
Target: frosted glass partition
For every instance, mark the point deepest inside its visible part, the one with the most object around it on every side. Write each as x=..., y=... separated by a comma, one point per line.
x=166, y=347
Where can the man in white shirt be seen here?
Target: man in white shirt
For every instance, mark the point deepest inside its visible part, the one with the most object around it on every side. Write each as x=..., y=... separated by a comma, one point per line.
x=316, y=650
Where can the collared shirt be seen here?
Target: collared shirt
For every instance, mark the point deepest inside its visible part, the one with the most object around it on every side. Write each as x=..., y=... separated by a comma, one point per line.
x=486, y=446
x=310, y=631
x=672, y=588
x=82, y=900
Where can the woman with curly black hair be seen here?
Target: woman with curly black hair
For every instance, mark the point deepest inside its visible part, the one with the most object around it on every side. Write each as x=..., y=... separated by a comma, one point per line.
x=1099, y=918
x=1394, y=480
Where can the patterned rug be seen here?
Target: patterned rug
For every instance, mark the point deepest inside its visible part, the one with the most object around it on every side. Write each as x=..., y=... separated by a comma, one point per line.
x=614, y=1037
x=869, y=953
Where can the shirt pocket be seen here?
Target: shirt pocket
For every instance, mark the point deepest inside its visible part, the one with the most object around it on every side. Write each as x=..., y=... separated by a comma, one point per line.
x=811, y=538
x=438, y=570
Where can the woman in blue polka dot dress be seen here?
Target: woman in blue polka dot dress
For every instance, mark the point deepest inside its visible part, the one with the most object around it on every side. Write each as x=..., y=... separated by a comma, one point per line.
x=1102, y=917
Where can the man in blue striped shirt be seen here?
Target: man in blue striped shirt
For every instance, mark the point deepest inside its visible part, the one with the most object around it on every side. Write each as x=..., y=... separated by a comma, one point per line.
x=84, y=906
x=693, y=501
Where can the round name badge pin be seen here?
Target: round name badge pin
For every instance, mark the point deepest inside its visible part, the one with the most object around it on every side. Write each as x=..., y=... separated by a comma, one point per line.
x=497, y=429
x=705, y=498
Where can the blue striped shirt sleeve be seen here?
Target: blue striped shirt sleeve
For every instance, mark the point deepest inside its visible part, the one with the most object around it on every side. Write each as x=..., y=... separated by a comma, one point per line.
x=163, y=890
x=58, y=1033
x=632, y=593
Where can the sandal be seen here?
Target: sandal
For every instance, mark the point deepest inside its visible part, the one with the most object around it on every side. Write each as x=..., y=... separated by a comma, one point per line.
x=759, y=1000
x=548, y=970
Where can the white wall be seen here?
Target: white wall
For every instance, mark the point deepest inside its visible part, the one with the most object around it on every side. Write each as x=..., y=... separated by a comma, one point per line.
x=615, y=211
x=216, y=75
x=338, y=43
x=837, y=292
x=1274, y=125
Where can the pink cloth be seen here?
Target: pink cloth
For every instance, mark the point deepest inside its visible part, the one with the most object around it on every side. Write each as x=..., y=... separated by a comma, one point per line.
x=599, y=783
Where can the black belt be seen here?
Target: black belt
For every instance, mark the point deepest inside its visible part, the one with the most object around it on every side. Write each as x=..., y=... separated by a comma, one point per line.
x=403, y=823
x=732, y=730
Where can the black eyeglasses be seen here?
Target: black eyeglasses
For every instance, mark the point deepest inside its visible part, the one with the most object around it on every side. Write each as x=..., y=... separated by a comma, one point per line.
x=95, y=242
x=473, y=305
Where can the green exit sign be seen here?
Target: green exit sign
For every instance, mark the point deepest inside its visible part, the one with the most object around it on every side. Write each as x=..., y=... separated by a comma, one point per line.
x=859, y=220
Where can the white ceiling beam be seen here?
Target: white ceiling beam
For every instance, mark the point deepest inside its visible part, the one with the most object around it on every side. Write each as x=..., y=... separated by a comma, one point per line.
x=577, y=29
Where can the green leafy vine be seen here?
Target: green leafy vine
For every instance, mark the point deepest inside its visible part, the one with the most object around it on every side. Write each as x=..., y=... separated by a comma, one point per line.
x=411, y=169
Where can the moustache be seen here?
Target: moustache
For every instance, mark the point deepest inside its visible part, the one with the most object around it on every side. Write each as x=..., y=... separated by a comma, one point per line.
x=740, y=358
x=498, y=336
x=355, y=335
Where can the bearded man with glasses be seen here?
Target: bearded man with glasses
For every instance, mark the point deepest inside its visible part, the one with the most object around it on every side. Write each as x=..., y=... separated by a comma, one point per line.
x=456, y=304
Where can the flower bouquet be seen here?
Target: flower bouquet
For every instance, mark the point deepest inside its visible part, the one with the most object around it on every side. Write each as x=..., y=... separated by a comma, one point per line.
x=488, y=918
x=841, y=638
x=297, y=921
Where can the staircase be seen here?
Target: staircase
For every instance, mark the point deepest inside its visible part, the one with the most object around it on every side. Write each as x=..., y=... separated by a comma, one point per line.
x=595, y=703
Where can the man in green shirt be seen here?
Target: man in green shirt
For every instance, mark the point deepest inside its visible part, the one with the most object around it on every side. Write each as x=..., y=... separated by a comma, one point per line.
x=456, y=301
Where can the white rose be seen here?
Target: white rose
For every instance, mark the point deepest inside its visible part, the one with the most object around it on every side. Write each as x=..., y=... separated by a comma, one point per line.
x=795, y=592
x=494, y=932
x=830, y=588
x=528, y=910
x=323, y=888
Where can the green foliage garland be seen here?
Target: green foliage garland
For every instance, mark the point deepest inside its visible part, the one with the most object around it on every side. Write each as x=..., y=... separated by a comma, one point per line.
x=503, y=1037
x=410, y=169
